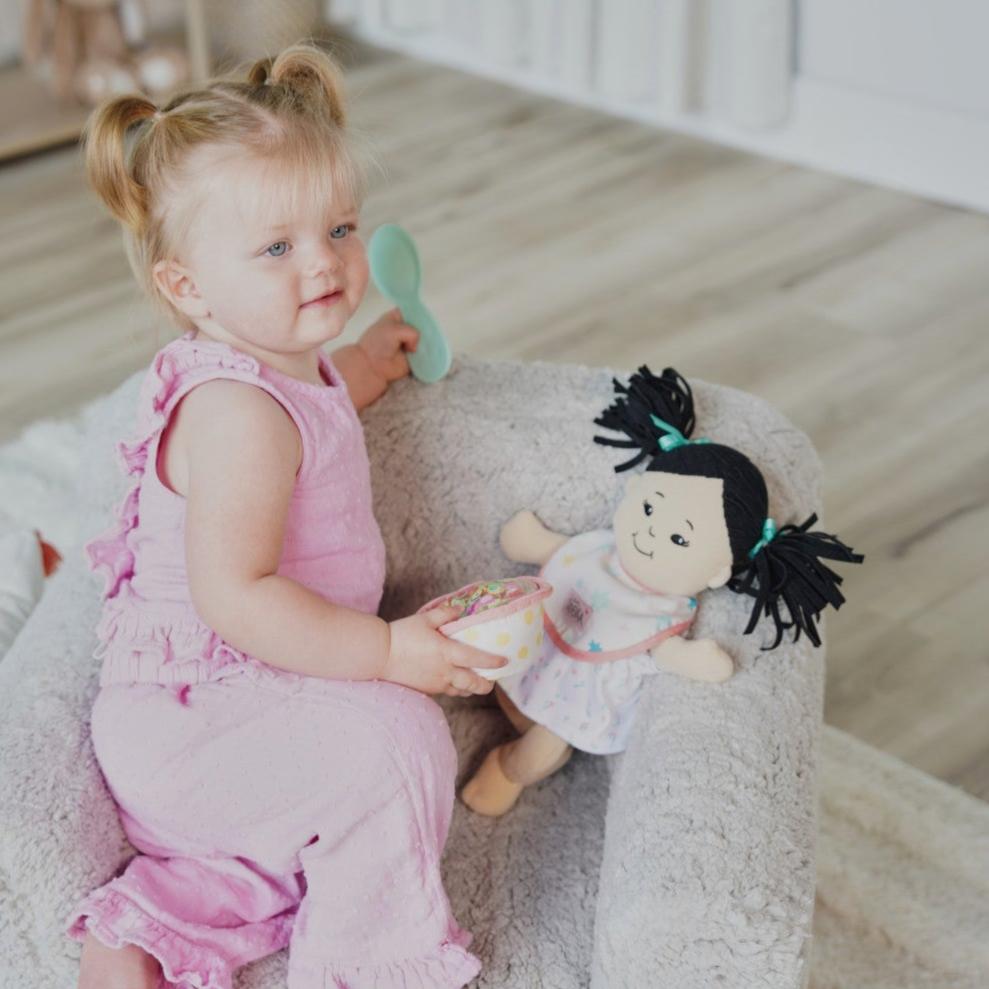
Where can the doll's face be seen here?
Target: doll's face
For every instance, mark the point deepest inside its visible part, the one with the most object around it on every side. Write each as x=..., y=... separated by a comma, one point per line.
x=671, y=534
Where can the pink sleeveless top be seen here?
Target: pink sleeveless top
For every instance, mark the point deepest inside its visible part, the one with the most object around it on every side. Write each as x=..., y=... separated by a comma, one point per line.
x=149, y=630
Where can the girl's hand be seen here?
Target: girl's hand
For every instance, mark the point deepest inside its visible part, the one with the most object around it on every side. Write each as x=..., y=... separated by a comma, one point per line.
x=385, y=344
x=377, y=359
x=424, y=659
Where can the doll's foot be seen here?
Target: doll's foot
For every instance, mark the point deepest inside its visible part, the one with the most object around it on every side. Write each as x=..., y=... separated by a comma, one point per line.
x=490, y=792
x=696, y=659
x=108, y=968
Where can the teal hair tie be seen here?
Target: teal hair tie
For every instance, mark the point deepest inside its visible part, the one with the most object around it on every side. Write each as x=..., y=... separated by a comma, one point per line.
x=673, y=437
x=768, y=535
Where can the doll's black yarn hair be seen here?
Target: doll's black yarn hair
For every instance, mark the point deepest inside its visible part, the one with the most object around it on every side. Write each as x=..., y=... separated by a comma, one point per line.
x=784, y=573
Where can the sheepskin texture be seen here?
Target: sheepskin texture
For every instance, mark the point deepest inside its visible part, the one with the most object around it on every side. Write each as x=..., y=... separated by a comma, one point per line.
x=686, y=861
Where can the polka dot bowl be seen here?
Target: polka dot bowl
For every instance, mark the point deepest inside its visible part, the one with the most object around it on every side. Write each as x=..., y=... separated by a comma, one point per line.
x=504, y=617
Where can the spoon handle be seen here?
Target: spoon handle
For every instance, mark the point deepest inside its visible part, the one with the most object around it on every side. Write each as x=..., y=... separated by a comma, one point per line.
x=432, y=358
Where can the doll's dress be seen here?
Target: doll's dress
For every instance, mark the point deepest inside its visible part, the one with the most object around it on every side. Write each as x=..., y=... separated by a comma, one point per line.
x=600, y=625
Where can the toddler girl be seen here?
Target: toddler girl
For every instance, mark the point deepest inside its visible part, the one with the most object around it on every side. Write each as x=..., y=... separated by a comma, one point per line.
x=268, y=740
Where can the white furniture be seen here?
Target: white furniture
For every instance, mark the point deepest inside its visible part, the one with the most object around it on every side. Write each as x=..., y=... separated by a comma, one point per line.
x=890, y=91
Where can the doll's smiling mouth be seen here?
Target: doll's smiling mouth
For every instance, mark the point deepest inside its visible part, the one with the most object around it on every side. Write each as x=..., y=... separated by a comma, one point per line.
x=636, y=545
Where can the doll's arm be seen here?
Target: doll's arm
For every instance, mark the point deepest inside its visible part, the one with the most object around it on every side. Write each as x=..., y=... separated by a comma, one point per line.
x=696, y=659
x=525, y=539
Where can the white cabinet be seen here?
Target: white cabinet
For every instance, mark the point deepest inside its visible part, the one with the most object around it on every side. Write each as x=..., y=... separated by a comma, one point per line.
x=926, y=53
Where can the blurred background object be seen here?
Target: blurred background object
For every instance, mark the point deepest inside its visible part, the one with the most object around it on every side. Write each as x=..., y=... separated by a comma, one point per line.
x=89, y=50
x=247, y=29
x=889, y=91
x=65, y=56
x=71, y=54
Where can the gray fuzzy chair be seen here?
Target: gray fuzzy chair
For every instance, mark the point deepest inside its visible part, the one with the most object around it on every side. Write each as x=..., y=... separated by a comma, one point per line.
x=686, y=862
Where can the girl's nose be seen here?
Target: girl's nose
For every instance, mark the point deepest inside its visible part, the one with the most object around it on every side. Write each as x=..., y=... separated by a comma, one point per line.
x=323, y=258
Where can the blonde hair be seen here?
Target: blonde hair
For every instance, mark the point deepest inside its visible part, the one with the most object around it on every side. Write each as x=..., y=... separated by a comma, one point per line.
x=289, y=111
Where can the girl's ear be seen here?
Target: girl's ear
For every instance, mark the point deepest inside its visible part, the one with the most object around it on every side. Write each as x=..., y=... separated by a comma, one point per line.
x=175, y=282
x=720, y=578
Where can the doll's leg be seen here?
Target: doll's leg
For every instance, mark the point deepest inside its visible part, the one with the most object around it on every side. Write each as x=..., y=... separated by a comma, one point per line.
x=509, y=768
x=519, y=721
x=537, y=754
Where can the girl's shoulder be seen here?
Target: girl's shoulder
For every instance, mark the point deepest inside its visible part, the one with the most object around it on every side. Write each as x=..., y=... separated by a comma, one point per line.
x=188, y=363
x=189, y=360
x=189, y=357
x=210, y=392
x=225, y=427
x=234, y=407
x=321, y=419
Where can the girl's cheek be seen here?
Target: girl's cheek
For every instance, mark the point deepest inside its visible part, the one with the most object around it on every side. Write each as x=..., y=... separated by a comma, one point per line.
x=358, y=259
x=359, y=276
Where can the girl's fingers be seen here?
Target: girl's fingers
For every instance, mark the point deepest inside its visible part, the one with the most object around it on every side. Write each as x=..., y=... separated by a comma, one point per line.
x=408, y=337
x=468, y=657
x=470, y=682
x=441, y=615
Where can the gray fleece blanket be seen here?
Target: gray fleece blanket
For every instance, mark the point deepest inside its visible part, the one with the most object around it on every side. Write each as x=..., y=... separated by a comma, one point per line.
x=686, y=861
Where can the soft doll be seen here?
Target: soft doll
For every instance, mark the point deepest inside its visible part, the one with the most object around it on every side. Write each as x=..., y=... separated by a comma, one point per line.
x=623, y=599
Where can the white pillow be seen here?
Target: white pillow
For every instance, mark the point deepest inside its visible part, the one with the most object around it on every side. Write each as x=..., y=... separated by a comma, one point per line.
x=22, y=579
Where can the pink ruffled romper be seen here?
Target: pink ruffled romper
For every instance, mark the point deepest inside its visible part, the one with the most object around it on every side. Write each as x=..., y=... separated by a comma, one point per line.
x=271, y=809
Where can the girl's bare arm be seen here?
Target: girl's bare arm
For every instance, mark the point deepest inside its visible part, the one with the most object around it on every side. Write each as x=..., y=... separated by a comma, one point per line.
x=242, y=452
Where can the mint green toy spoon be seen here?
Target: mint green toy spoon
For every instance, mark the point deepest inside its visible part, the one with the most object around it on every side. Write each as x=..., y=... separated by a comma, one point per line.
x=395, y=269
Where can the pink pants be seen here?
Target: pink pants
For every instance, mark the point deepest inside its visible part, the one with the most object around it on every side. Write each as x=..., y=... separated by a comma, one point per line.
x=274, y=810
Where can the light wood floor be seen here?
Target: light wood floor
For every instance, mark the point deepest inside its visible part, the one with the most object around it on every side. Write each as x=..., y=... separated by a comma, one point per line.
x=554, y=232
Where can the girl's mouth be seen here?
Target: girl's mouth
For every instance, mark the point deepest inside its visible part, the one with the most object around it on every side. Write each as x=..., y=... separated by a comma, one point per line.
x=323, y=300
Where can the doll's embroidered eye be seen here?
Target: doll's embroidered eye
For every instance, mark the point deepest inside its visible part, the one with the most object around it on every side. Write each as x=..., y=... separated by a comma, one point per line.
x=647, y=508
x=678, y=539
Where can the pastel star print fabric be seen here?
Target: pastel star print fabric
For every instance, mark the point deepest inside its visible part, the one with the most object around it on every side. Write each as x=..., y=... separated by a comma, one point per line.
x=600, y=625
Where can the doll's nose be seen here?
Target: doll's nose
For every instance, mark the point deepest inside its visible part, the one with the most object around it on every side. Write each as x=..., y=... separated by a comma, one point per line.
x=651, y=533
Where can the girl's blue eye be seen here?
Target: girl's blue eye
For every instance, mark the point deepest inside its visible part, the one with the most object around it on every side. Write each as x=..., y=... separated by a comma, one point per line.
x=278, y=243
x=678, y=539
x=345, y=227
x=647, y=508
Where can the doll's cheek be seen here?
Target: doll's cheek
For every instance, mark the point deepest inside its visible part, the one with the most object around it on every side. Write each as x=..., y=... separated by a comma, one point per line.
x=629, y=516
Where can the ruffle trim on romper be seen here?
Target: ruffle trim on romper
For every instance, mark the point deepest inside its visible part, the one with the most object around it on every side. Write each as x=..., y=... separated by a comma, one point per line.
x=452, y=967
x=150, y=642
x=110, y=552
x=164, y=649
x=115, y=920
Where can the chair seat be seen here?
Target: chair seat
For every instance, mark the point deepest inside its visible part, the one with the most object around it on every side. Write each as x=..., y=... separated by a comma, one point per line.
x=686, y=861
